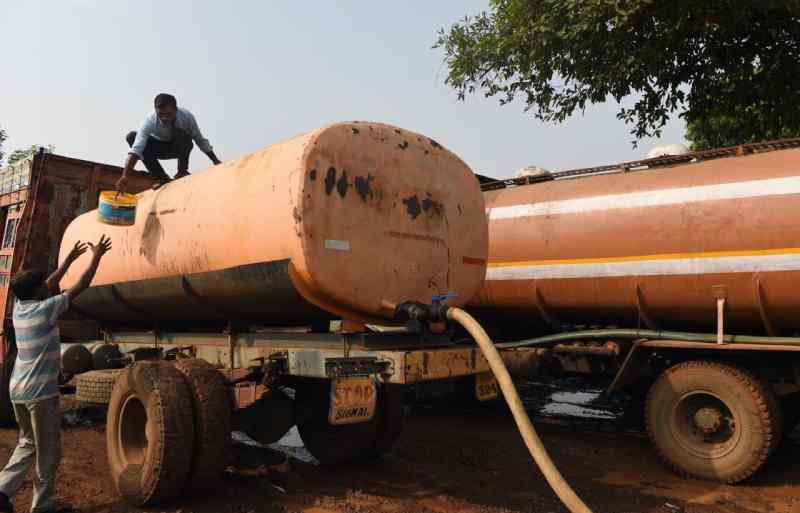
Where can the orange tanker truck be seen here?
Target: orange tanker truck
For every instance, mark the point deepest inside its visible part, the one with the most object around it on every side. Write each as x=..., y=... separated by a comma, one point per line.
x=679, y=276
x=218, y=300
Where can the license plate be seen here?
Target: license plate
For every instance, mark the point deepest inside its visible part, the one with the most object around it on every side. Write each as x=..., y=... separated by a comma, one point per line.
x=352, y=400
x=486, y=387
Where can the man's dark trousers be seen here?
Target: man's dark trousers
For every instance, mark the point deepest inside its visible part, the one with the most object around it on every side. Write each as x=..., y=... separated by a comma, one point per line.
x=178, y=148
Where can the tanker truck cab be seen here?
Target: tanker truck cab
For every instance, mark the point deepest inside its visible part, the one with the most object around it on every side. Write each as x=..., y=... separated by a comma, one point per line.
x=674, y=277
x=257, y=295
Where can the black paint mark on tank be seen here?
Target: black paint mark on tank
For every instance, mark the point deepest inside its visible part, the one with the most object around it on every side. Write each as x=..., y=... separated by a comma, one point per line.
x=312, y=174
x=296, y=215
x=355, y=130
x=330, y=180
x=403, y=145
x=429, y=204
x=341, y=184
x=434, y=143
x=398, y=132
x=363, y=187
x=412, y=206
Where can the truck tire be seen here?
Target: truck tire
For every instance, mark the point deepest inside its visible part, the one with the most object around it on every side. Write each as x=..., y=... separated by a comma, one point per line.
x=95, y=386
x=104, y=356
x=791, y=412
x=390, y=414
x=713, y=420
x=268, y=418
x=75, y=359
x=212, y=409
x=150, y=433
x=335, y=445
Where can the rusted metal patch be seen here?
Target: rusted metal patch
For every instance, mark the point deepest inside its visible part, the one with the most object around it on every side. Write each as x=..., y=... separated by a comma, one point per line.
x=438, y=364
x=413, y=236
x=473, y=261
x=245, y=394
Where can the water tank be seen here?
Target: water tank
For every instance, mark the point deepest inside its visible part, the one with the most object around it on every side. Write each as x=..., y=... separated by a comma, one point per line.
x=323, y=225
x=664, y=242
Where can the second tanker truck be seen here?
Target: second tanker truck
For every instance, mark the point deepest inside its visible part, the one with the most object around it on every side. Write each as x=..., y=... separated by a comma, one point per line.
x=676, y=276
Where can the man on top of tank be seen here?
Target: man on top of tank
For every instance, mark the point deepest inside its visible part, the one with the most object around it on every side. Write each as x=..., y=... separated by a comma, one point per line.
x=165, y=134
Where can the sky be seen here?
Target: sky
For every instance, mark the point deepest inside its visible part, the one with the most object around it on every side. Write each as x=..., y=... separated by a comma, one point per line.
x=80, y=74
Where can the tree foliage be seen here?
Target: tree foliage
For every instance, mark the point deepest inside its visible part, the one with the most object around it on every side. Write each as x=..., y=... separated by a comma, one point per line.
x=720, y=129
x=21, y=154
x=731, y=63
x=3, y=137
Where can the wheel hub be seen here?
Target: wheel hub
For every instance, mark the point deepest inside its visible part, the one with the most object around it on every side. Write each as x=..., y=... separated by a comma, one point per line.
x=708, y=420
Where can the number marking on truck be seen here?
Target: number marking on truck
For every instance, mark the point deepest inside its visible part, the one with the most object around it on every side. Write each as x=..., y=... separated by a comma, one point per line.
x=486, y=386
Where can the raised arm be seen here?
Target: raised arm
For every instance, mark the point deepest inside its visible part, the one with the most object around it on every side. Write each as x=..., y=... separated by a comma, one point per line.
x=54, y=279
x=98, y=250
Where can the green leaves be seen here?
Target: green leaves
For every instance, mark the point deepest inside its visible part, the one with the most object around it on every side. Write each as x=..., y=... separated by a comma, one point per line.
x=21, y=154
x=3, y=137
x=701, y=59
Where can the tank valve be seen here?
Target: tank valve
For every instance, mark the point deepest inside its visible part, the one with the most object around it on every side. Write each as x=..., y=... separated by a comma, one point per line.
x=415, y=311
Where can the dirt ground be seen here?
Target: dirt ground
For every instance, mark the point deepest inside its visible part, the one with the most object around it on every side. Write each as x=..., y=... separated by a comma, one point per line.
x=459, y=460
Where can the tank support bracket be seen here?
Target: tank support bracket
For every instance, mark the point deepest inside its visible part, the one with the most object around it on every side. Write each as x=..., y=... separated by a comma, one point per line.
x=762, y=309
x=721, y=294
x=548, y=316
x=641, y=308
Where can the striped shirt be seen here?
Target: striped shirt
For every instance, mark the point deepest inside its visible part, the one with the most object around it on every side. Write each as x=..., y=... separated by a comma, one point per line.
x=35, y=375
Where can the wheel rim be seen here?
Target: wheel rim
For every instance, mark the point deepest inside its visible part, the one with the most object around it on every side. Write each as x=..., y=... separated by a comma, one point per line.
x=133, y=431
x=704, y=425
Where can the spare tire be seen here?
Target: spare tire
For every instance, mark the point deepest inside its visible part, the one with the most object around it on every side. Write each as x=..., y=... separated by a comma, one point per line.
x=212, y=405
x=75, y=359
x=150, y=433
x=96, y=386
x=105, y=356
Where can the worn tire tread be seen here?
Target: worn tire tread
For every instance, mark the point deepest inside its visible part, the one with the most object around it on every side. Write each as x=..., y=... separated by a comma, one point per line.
x=95, y=387
x=211, y=405
x=169, y=406
x=768, y=405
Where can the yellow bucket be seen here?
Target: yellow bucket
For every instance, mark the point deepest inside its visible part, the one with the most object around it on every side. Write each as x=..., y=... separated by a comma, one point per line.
x=117, y=208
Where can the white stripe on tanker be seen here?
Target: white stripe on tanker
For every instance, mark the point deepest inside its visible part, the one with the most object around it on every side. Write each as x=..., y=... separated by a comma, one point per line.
x=659, y=267
x=654, y=198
